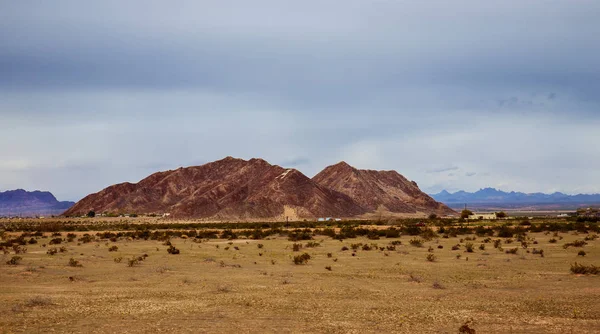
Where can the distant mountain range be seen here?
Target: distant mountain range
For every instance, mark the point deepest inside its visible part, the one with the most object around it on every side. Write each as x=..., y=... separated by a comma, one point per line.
x=30, y=203
x=254, y=189
x=491, y=196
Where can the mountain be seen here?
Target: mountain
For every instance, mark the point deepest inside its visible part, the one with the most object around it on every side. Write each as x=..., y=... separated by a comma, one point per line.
x=226, y=189
x=375, y=190
x=30, y=203
x=494, y=196
x=237, y=189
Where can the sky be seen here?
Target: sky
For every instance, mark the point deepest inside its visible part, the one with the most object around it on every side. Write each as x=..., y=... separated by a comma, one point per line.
x=452, y=94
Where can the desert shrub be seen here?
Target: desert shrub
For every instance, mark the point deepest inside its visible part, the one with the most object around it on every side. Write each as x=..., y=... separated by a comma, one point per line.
x=296, y=247
x=86, y=239
x=118, y=259
x=236, y=248
x=505, y=232
x=466, y=328
x=396, y=243
x=345, y=248
x=328, y=268
x=38, y=301
x=15, y=260
x=431, y=257
x=133, y=262
x=392, y=233
x=172, y=250
x=552, y=241
x=366, y=247
x=469, y=247
x=414, y=278
x=416, y=242
x=591, y=237
x=440, y=247
x=311, y=244
x=113, y=249
x=55, y=241
x=329, y=255
x=62, y=249
x=482, y=247
x=512, y=250
x=52, y=251
x=260, y=245
x=19, y=250
x=32, y=241
x=356, y=246
x=456, y=247
x=497, y=243
x=391, y=248
x=74, y=263
x=576, y=243
x=301, y=259
x=428, y=234
x=585, y=270
x=581, y=253
x=438, y=285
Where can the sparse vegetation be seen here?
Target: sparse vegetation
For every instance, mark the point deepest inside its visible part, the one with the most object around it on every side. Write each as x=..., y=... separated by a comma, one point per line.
x=577, y=268
x=74, y=263
x=301, y=259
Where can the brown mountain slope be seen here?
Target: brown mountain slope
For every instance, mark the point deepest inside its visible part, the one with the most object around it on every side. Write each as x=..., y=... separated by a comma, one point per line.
x=372, y=189
x=226, y=189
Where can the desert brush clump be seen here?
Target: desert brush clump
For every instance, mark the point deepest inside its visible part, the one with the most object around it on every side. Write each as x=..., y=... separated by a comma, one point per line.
x=172, y=250
x=296, y=247
x=469, y=247
x=301, y=259
x=512, y=250
x=430, y=257
x=591, y=269
x=416, y=242
x=581, y=253
x=311, y=244
x=576, y=243
x=113, y=248
x=38, y=301
x=74, y=263
x=466, y=328
x=15, y=260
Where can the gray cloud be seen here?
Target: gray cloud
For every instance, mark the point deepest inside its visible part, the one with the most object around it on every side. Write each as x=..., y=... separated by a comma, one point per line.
x=442, y=169
x=97, y=93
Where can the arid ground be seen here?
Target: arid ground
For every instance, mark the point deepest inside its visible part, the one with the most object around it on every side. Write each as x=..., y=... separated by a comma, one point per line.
x=254, y=286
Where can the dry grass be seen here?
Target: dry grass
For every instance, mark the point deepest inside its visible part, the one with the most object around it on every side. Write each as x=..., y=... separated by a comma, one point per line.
x=209, y=289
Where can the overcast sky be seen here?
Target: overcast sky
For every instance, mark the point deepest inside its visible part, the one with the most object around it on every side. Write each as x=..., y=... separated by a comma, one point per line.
x=451, y=94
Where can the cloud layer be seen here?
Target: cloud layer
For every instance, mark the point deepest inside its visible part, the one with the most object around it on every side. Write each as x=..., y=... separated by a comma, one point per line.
x=455, y=95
